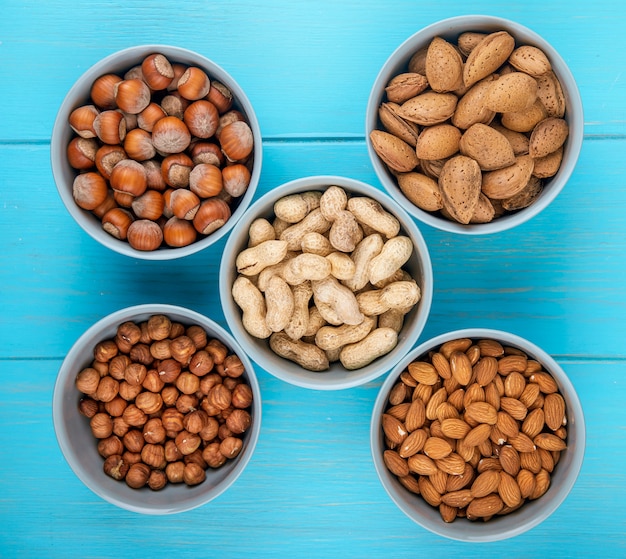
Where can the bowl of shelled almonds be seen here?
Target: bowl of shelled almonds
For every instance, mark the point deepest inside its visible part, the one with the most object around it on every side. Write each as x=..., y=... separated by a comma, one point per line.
x=474, y=124
x=156, y=152
x=157, y=409
x=477, y=435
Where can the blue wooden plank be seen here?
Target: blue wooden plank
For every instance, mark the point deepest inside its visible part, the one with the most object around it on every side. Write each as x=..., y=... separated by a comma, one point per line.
x=306, y=67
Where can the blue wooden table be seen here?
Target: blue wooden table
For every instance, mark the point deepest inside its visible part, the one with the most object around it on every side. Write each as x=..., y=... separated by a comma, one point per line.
x=310, y=489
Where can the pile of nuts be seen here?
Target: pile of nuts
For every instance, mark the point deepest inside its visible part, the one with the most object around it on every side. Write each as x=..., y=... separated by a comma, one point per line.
x=323, y=279
x=165, y=403
x=161, y=153
x=472, y=130
x=474, y=427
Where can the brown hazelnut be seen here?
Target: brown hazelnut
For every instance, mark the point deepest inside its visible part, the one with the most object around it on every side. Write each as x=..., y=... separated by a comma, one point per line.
x=229, y=382
x=175, y=170
x=209, y=408
x=118, y=365
x=236, y=140
x=174, y=105
x=87, y=381
x=133, y=440
x=201, y=363
x=108, y=204
x=177, y=329
x=153, y=382
x=224, y=432
x=231, y=446
x=116, y=406
x=81, y=153
x=212, y=455
x=105, y=351
x=89, y=190
x=158, y=327
x=233, y=367
x=187, y=442
x=241, y=396
x=217, y=350
x=140, y=353
x=193, y=474
x=137, y=475
x=129, y=391
x=168, y=370
x=219, y=396
x=184, y=203
x=195, y=421
x=149, y=402
x=147, y=117
x=88, y=407
x=170, y=395
x=132, y=95
x=115, y=467
x=101, y=367
x=170, y=135
x=122, y=344
x=135, y=374
x=172, y=420
x=107, y=157
x=154, y=455
x=101, y=425
x=201, y=117
x=110, y=127
x=149, y=205
x=131, y=457
x=207, y=152
x=188, y=383
x=81, y=120
x=172, y=454
x=144, y=235
x=153, y=431
x=221, y=96
x=161, y=349
x=153, y=175
x=134, y=416
x=205, y=180
x=193, y=84
x=187, y=403
x=212, y=214
x=196, y=458
x=110, y=446
x=157, y=71
x=102, y=91
x=210, y=429
x=120, y=427
x=108, y=388
x=179, y=232
x=129, y=177
x=182, y=349
x=239, y=421
x=138, y=145
x=157, y=480
x=174, y=472
x=236, y=179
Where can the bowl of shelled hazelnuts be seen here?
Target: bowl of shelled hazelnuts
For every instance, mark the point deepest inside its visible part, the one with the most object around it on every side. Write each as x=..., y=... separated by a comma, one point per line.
x=157, y=409
x=156, y=152
x=477, y=435
x=474, y=124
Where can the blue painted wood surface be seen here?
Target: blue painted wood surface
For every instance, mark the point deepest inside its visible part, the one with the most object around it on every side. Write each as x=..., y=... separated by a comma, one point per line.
x=310, y=489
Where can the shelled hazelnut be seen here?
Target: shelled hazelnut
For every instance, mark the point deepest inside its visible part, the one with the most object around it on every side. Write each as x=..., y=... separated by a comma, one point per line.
x=156, y=125
x=159, y=421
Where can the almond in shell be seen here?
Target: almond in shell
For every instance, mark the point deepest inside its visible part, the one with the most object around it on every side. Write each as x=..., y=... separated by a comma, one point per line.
x=515, y=91
x=548, y=165
x=444, y=66
x=471, y=107
x=438, y=142
x=508, y=181
x=394, y=152
x=518, y=140
x=404, y=86
x=531, y=60
x=549, y=135
x=550, y=93
x=429, y=108
x=468, y=40
x=396, y=125
x=525, y=120
x=460, y=184
x=488, y=147
x=487, y=56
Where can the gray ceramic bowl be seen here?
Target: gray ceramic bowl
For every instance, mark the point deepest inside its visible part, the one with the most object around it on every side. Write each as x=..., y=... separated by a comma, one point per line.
x=531, y=513
x=450, y=29
x=64, y=174
x=79, y=446
x=337, y=377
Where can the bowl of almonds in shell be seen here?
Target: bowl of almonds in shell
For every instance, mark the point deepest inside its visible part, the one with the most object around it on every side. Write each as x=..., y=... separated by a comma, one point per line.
x=157, y=409
x=478, y=435
x=474, y=124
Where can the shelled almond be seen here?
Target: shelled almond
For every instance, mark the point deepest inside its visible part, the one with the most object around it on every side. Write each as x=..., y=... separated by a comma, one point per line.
x=474, y=427
x=482, y=97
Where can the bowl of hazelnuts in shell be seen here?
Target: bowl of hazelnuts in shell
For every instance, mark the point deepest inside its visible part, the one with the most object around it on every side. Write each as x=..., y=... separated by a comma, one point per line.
x=157, y=409
x=156, y=152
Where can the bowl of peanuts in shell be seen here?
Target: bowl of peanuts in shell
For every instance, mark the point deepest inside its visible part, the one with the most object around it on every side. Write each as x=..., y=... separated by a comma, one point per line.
x=326, y=282
x=474, y=124
x=156, y=152
x=157, y=409
x=477, y=435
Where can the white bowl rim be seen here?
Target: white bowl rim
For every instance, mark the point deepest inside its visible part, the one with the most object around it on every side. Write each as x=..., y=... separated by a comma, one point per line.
x=494, y=531
x=67, y=369
x=57, y=151
x=574, y=110
x=309, y=379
